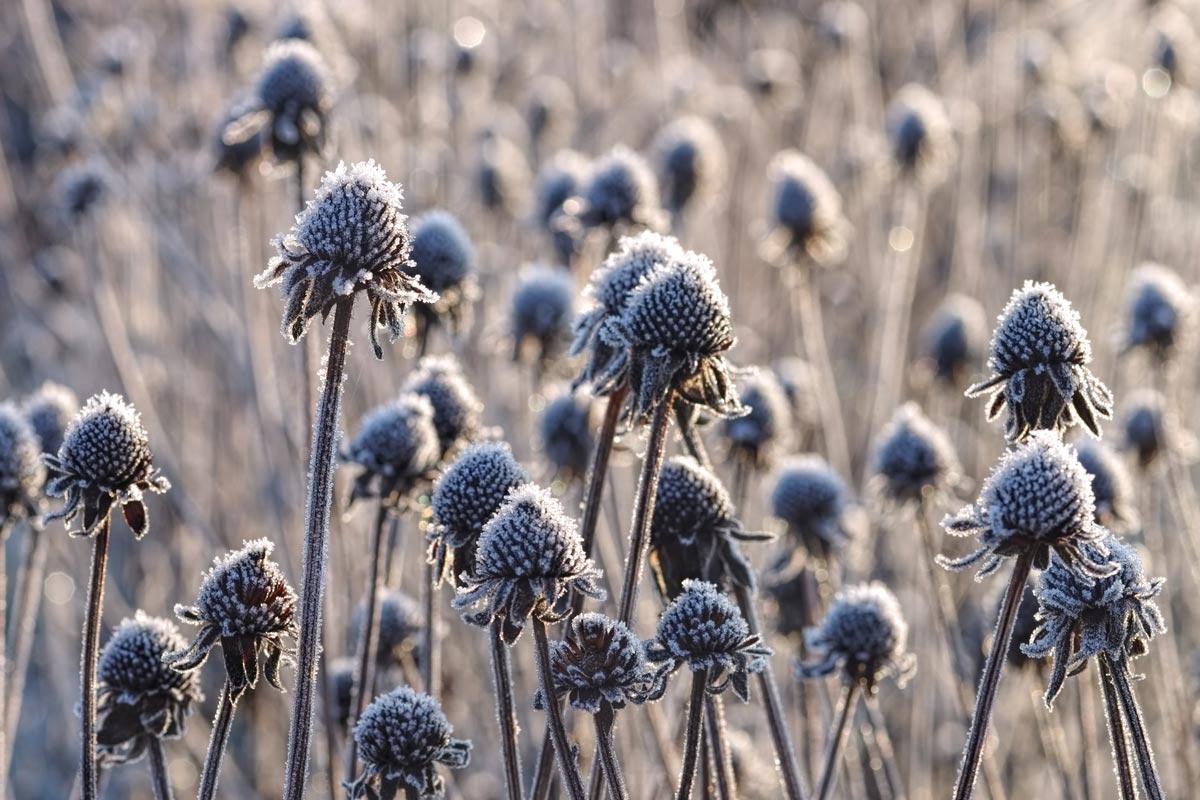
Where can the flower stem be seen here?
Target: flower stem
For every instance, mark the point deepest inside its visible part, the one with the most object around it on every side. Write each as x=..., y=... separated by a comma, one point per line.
x=217, y=744
x=91, y=652
x=562, y=748
x=506, y=713
x=1116, y=733
x=27, y=597
x=992, y=670
x=714, y=726
x=837, y=741
x=604, y=719
x=361, y=688
x=158, y=770
x=695, y=724
x=1119, y=673
x=643, y=509
x=315, y=552
x=431, y=661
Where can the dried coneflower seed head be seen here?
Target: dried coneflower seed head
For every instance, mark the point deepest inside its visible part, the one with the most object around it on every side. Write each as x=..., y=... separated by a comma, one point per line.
x=469, y=494
x=294, y=94
x=1115, y=616
x=703, y=629
x=806, y=213
x=550, y=109
x=920, y=133
x=1040, y=355
x=21, y=471
x=402, y=736
x=1111, y=483
x=237, y=156
x=601, y=663
x=443, y=259
x=398, y=628
x=397, y=447
x=530, y=562
x=565, y=433
x=914, y=458
x=246, y=604
x=955, y=338
x=754, y=438
x=542, y=310
x=50, y=410
x=558, y=180
x=503, y=174
x=691, y=161
x=456, y=407
x=352, y=237
x=104, y=460
x=138, y=696
x=1039, y=497
x=812, y=499
x=621, y=190
x=863, y=636
x=1158, y=311
x=342, y=674
x=1150, y=430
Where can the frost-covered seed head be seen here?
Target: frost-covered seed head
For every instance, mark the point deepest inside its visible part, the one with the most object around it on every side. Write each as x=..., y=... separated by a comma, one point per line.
x=621, y=190
x=442, y=254
x=352, y=237
x=1039, y=497
x=955, y=337
x=1149, y=430
x=1158, y=309
x=456, y=407
x=767, y=428
x=691, y=161
x=295, y=90
x=914, y=457
x=1111, y=484
x=558, y=180
x=550, y=108
x=81, y=188
x=864, y=636
x=469, y=494
x=397, y=628
x=601, y=663
x=401, y=737
x=342, y=673
x=806, y=212
x=1039, y=355
x=397, y=447
x=812, y=499
x=565, y=433
x=21, y=471
x=542, y=311
x=49, y=411
x=920, y=133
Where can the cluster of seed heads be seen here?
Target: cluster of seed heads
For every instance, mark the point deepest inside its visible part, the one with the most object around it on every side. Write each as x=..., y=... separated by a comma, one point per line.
x=863, y=636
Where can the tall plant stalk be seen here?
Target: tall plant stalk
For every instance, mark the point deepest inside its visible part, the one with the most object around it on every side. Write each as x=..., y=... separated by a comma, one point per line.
x=604, y=719
x=695, y=725
x=1116, y=734
x=506, y=714
x=837, y=741
x=159, y=776
x=222, y=724
x=360, y=689
x=315, y=552
x=431, y=655
x=1119, y=674
x=27, y=598
x=714, y=726
x=562, y=747
x=91, y=652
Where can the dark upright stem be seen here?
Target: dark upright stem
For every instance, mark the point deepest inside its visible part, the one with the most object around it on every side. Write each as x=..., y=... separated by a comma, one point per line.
x=360, y=690
x=695, y=724
x=431, y=661
x=992, y=670
x=158, y=770
x=91, y=651
x=1116, y=734
x=837, y=741
x=1119, y=672
x=714, y=726
x=315, y=553
x=604, y=719
x=216, y=745
x=506, y=712
x=562, y=747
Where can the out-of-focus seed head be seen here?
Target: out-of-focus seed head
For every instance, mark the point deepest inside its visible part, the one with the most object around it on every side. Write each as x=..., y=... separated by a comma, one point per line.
x=550, y=108
x=246, y=604
x=766, y=429
x=812, y=499
x=773, y=73
x=401, y=737
x=237, y=155
x=21, y=471
x=503, y=174
x=1158, y=311
x=529, y=562
x=397, y=630
x=565, y=434
x=456, y=408
x=1039, y=354
x=352, y=237
x=1038, y=497
x=80, y=188
x=470, y=493
x=921, y=136
x=842, y=23
x=1175, y=44
x=49, y=411
x=1043, y=58
x=621, y=191
x=104, y=460
x=914, y=458
x=1107, y=96
x=1114, y=616
x=863, y=636
x=672, y=336
x=294, y=95
x=703, y=629
x=602, y=663
x=691, y=162
x=1111, y=484
x=443, y=259
x=342, y=672
x=806, y=214
x=955, y=338
x=559, y=179
x=1150, y=429
x=138, y=697
x=542, y=311
x=397, y=447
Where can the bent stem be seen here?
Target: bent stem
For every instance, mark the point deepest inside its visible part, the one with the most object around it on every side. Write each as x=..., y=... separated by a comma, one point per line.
x=360, y=689
x=506, y=714
x=217, y=744
x=604, y=719
x=1116, y=733
x=1119, y=673
x=158, y=770
x=695, y=724
x=993, y=668
x=562, y=748
x=837, y=741
x=91, y=652
x=315, y=552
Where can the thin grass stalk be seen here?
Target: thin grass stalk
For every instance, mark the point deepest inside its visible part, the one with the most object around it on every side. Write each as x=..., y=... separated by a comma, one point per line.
x=562, y=747
x=1119, y=671
x=27, y=599
x=695, y=724
x=159, y=775
x=91, y=652
x=222, y=724
x=837, y=741
x=993, y=668
x=714, y=727
x=360, y=689
x=506, y=715
x=604, y=719
x=887, y=752
x=643, y=508
x=816, y=350
x=431, y=654
x=315, y=553
x=1117, y=735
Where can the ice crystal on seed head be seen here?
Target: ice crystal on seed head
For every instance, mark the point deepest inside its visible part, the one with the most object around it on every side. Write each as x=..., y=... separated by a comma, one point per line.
x=529, y=562
x=955, y=337
x=467, y=495
x=812, y=499
x=1114, y=616
x=806, y=213
x=565, y=434
x=621, y=190
x=542, y=309
x=49, y=411
x=397, y=447
x=352, y=237
x=401, y=737
x=21, y=469
x=913, y=457
x=691, y=161
x=1039, y=497
x=1040, y=355
x=601, y=663
x=703, y=629
x=1111, y=483
x=864, y=636
x=1159, y=307
x=753, y=439
x=921, y=136
x=456, y=407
